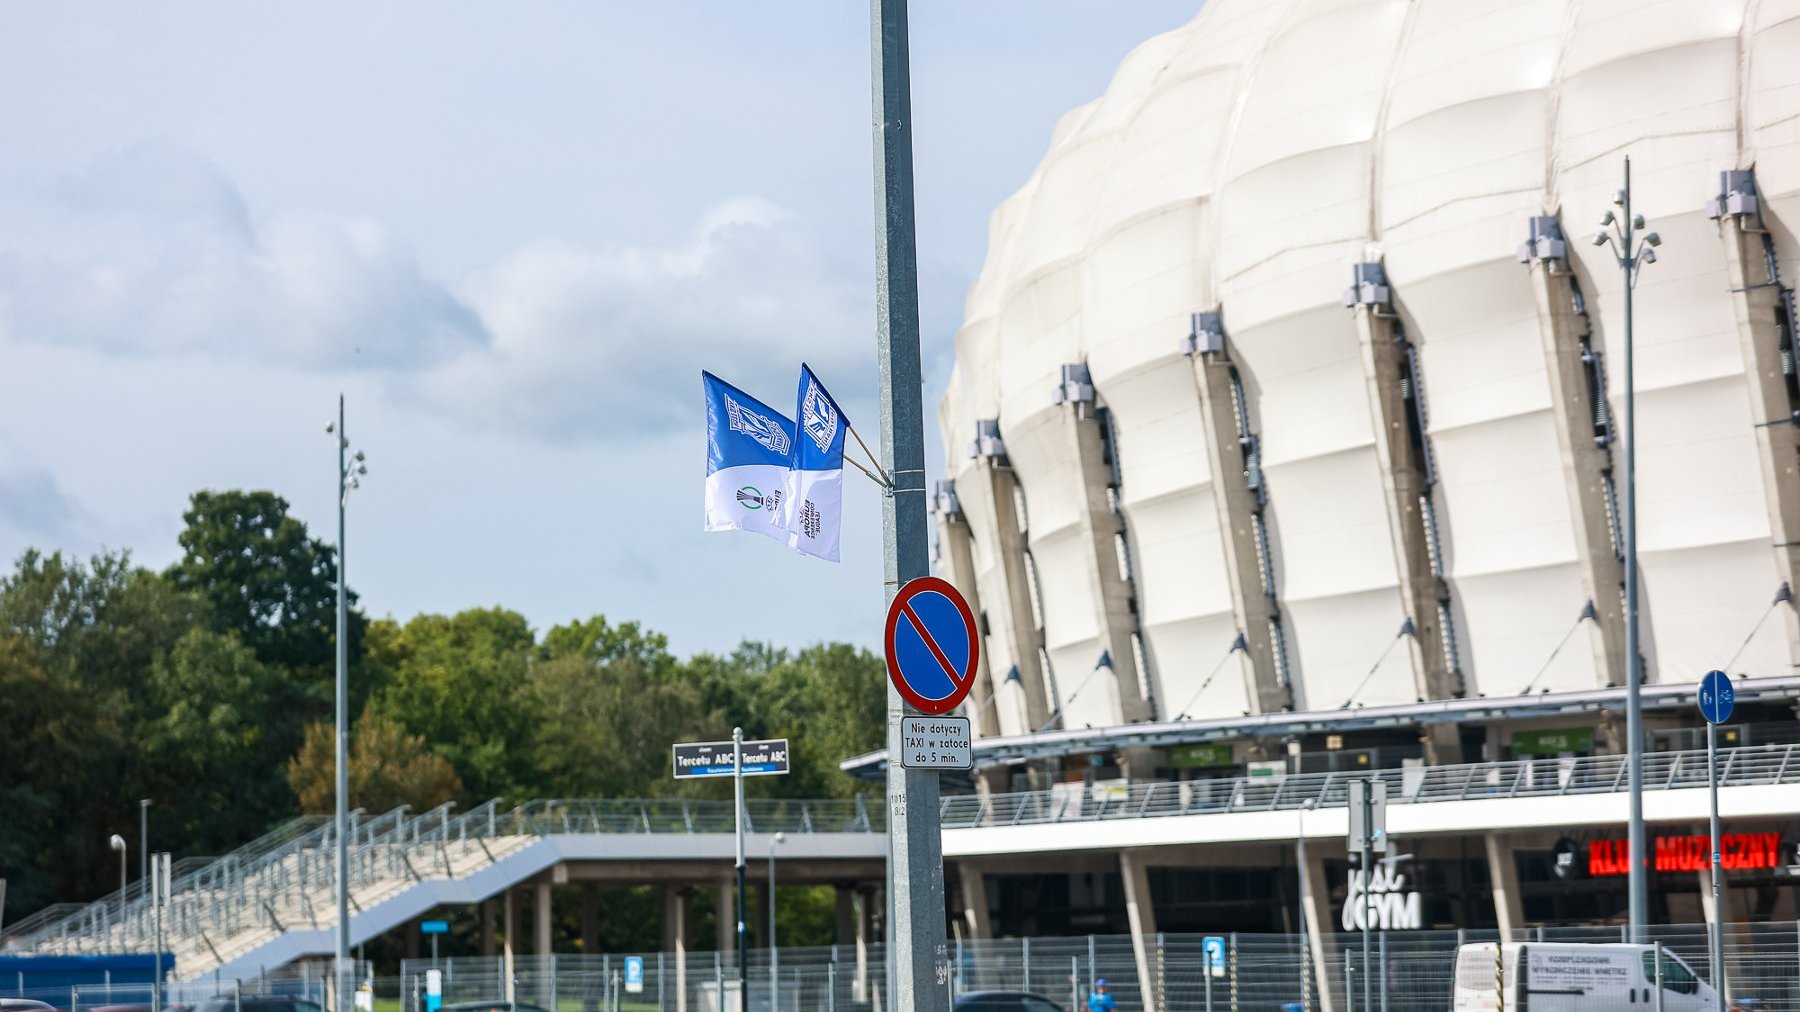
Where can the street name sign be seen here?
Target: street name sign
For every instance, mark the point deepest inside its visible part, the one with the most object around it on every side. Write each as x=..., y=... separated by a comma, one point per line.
x=715, y=759
x=1717, y=697
x=931, y=645
x=936, y=743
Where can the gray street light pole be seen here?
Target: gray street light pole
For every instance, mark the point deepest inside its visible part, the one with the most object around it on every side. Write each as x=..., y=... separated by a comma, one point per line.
x=347, y=471
x=1631, y=254
x=774, y=944
x=143, y=838
x=918, y=969
x=118, y=843
x=1305, y=901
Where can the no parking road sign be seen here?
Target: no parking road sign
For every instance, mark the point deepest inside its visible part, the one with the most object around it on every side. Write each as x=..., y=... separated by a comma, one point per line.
x=931, y=645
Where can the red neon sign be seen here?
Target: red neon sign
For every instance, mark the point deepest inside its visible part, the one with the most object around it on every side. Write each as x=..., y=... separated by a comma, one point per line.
x=1737, y=851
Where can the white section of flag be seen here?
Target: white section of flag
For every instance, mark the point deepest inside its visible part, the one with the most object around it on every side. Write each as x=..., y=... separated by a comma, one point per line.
x=817, y=512
x=739, y=499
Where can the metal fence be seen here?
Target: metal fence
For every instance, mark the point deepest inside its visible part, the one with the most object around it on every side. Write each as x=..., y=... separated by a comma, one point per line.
x=1413, y=971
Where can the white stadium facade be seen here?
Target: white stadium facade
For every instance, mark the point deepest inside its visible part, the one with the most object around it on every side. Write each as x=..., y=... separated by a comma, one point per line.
x=1283, y=442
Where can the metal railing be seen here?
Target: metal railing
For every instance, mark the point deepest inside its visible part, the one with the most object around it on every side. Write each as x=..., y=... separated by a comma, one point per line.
x=221, y=907
x=1514, y=778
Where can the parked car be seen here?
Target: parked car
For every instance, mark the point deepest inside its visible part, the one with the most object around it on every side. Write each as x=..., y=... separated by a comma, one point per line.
x=24, y=1005
x=1575, y=977
x=1004, y=1001
x=255, y=1003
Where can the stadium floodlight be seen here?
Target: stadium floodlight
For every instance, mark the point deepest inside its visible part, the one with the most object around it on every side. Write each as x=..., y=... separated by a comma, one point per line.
x=1632, y=253
x=1606, y=218
x=348, y=470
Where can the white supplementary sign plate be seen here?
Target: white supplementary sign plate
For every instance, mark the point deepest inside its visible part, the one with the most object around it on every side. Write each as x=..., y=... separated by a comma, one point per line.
x=936, y=743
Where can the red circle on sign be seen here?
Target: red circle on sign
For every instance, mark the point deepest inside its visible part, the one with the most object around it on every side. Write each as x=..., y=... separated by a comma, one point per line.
x=901, y=610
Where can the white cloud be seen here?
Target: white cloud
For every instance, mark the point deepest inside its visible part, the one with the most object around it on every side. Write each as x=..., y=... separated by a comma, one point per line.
x=601, y=343
x=152, y=251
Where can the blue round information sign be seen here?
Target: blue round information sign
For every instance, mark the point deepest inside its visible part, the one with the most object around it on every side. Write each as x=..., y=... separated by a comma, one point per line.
x=1716, y=697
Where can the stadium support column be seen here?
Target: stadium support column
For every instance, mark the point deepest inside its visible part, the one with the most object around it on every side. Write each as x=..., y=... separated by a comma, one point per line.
x=972, y=884
x=1397, y=416
x=1318, y=925
x=676, y=900
x=1576, y=371
x=1235, y=460
x=509, y=907
x=1140, y=910
x=1764, y=308
x=956, y=562
x=1503, y=877
x=997, y=483
x=725, y=922
x=1088, y=438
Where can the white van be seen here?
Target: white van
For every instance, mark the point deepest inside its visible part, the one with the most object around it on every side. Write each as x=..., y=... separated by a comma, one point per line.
x=1575, y=977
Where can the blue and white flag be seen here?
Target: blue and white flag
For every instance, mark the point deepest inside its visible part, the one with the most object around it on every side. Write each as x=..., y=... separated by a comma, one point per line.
x=748, y=449
x=812, y=506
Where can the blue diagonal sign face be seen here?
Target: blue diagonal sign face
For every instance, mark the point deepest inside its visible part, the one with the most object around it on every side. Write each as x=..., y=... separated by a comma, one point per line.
x=1716, y=697
x=931, y=645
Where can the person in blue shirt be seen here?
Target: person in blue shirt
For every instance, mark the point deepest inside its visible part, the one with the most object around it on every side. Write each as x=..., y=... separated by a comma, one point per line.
x=1100, y=1000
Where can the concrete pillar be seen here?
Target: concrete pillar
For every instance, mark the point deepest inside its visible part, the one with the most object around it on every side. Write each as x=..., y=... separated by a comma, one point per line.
x=674, y=924
x=486, y=913
x=1503, y=876
x=540, y=910
x=865, y=932
x=995, y=482
x=846, y=932
x=1388, y=364
x=973, y=887
x=956, y=563
x=1318, y=923
x=1140, y=910
x=1571, y=358
x=1239, y=498
x=759, y=916
x=509, y=931
x=1757, y=298
x=1087, y=439
x=725, y=932
x=590, y=918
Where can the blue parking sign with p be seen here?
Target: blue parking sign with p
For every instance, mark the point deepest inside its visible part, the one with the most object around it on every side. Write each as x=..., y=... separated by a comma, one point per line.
x=634, y=974
x=1212, y=948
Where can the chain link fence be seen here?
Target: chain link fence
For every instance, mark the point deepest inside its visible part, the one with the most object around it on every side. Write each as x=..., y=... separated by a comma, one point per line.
x=1407, y=971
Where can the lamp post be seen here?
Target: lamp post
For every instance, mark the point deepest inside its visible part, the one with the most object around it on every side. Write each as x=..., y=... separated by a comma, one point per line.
x=1632, y=252
x=774, y=951
x=118, y=843
x=143, y=838
x=348, y=471
x=1305, y=901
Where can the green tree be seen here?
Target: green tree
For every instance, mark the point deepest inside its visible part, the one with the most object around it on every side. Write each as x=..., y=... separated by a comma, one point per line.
x=458, y=682
x=219, y=729
x=603, y=728
x=388, y=768
x=263, y=578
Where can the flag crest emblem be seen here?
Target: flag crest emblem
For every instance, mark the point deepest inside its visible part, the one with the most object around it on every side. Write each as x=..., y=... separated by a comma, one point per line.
x=757, y=426
x=819, y=417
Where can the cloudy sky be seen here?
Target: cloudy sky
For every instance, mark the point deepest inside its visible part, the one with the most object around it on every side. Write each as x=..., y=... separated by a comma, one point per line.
x=512, y=235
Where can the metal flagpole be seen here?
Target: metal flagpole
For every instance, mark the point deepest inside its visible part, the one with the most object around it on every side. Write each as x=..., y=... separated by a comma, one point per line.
x=917, y=966
x=743, y=939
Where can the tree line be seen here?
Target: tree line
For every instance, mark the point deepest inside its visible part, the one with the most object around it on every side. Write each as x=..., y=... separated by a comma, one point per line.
x=208, y=688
